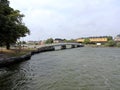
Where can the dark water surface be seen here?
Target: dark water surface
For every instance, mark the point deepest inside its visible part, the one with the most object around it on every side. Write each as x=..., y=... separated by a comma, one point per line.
x=72, y=69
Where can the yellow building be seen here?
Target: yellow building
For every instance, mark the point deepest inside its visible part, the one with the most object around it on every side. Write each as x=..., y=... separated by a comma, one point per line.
x=80, y=40
x=94, y=39
x=99, y=39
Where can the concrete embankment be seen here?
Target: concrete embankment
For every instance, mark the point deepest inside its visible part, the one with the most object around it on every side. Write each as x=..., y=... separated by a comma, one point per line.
x=12, y=60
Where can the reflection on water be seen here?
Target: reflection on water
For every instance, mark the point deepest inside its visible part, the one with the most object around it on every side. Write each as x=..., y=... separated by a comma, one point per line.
x=73, y=69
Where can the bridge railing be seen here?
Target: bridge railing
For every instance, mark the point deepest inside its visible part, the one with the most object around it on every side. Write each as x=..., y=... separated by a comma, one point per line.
x=54, y=44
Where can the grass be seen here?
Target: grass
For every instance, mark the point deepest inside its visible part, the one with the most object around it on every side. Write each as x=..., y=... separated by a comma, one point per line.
x=14, y=52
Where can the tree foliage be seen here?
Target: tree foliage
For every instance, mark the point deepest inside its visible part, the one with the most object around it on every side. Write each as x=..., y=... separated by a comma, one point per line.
x=11, y=25
x=70, y=41
x=109, y=38
x=111, y=43
x=118, y=44
x=86, y=41
x=49, y=41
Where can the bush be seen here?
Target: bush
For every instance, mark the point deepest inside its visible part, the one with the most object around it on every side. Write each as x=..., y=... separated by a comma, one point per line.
x=86, y=41
x=110, y=43
x=118, y=44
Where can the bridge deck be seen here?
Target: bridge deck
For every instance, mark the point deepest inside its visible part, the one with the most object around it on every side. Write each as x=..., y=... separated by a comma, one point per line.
x=61, y=44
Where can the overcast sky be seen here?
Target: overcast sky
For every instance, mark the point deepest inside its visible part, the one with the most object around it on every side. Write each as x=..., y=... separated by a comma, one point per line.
x=69, y=18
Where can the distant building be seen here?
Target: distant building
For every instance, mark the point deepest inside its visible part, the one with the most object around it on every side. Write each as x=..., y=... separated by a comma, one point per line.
x=33, y=42
x=100, y=39
x=117, y=38
x=58, y=40
x=42, y=42
x=80, y=40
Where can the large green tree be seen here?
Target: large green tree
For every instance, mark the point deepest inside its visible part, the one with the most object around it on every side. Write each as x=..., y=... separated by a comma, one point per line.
x=49, y=41
x=11, y=25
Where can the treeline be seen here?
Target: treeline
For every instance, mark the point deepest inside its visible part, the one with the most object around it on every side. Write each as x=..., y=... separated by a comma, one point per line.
x=11, y=25
x=51, y=40
x=110, y=43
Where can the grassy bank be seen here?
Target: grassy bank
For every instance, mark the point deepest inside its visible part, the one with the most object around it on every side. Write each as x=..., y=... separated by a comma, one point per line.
x=14, y=52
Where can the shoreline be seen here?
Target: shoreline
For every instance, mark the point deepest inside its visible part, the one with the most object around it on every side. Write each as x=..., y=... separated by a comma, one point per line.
x=103, y=46
x=6, y=61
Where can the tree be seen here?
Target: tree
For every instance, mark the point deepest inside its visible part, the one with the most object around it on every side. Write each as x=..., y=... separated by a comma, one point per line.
x=109, y=38
x=86, y=41
x=11, y=25
x=72, y=40
x=23, y=42
x=5, y=2
x=49, y=41
x=111, y=43
x=118, y=44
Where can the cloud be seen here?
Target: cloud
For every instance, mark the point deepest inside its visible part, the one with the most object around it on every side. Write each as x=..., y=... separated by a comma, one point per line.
x=69, y=18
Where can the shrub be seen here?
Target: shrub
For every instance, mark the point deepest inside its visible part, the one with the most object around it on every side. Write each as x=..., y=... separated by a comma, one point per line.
x=110, y=43
x=86, y=41
x=118, y=44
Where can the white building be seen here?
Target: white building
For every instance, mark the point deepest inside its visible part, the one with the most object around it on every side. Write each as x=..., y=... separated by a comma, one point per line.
x=117, y=38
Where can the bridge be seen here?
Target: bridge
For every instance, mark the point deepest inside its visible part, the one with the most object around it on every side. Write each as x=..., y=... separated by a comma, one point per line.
x=58, y=46
x=66, y=45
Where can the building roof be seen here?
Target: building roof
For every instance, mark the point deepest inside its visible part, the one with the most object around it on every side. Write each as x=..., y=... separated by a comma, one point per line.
x=95, y=37
x=58, y=39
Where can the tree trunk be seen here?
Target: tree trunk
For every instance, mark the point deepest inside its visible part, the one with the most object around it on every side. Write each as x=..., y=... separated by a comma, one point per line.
x=7, y=46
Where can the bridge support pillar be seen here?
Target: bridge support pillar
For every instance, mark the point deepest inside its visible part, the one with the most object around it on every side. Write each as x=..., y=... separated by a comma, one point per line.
x=72, y=46
x=63, y=47
x=78, y=45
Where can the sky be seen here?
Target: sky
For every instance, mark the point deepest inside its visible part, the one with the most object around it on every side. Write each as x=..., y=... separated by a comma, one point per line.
x=69, y=19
